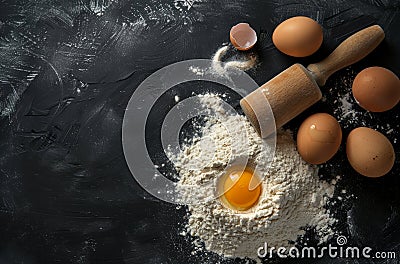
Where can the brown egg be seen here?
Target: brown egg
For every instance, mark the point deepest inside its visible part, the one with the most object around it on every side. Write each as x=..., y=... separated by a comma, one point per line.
x=376, y=89
x=298, y=36
x=319, y=138
x=369, y=152
x=243, y=37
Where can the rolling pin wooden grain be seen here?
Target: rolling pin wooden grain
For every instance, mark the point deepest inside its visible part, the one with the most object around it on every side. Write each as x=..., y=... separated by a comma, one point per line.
x=297, y=88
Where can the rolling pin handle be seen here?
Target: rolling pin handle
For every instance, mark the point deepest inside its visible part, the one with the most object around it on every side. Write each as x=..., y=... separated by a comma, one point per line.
x=350, y=51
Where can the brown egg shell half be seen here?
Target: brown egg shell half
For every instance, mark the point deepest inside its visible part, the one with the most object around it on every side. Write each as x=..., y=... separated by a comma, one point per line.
x=243, y=37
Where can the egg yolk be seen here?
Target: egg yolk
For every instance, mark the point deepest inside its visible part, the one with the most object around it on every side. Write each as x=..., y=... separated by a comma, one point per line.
x=237, y=191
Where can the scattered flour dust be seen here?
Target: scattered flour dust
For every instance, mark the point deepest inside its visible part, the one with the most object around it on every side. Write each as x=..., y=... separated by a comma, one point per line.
x=243, y=62
x=196, y=70
x=292, y=197
x=344, y=108
x=185, y=4
x=99, y=6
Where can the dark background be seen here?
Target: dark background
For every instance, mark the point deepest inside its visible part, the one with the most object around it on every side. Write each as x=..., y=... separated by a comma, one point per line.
x=67, y=70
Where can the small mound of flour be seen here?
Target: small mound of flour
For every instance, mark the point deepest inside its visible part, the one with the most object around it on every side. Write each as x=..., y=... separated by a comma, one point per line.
x=292, y=195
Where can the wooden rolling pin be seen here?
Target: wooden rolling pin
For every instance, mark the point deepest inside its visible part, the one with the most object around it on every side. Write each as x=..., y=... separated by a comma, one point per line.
x=297, y=88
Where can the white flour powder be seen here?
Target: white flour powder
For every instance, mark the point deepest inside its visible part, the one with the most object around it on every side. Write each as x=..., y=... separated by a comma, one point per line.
x=292, y=195
x=243, y=63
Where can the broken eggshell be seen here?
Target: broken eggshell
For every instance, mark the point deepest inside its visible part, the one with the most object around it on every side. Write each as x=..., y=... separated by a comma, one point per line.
x=243, y=37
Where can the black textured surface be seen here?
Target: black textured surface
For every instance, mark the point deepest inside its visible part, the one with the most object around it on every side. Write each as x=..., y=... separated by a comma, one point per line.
x=67, y=71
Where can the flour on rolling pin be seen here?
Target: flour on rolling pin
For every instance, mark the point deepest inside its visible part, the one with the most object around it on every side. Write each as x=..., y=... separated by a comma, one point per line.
x=297, y=88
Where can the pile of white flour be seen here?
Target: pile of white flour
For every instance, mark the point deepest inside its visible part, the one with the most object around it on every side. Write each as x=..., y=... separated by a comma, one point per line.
x=292, y=195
